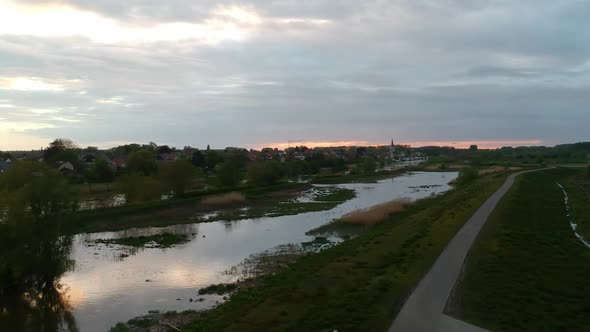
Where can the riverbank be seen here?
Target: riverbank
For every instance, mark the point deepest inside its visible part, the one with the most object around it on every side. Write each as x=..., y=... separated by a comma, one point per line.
x=174, y=211
x=527, y=271
x=357, y=285
x=362, y=178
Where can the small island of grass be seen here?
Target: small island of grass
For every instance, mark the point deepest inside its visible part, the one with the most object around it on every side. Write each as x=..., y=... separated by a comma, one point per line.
x=164, y=240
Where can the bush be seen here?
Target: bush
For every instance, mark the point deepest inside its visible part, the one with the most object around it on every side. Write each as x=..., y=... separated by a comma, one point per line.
x=142, y=162
x=265, y=173
x=467, y=174
x=228, y=174
x=177, y=176
x=139, y=188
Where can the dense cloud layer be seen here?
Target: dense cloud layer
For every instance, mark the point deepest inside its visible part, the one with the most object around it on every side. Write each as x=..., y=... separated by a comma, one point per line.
x=227, y=73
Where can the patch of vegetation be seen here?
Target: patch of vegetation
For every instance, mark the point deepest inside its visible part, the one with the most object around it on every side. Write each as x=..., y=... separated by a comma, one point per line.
x=336, y=195
x=467, y=174
x=360, y=284
x=218, y=289
x=527, y=271
x=164, y=240
x=578, y=188
x=291, y=208
x=317, y=241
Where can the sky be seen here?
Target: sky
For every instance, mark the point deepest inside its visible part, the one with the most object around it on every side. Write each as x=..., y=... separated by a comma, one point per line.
x=266, y=72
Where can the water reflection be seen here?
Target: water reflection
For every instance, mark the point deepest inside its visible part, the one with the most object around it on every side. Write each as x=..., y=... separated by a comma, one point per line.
x=106, y=288
x=33, y=260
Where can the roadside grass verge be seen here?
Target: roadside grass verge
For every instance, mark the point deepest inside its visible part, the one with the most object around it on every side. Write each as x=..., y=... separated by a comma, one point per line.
x=527, y=271
x=578, y=188
x=360, y=284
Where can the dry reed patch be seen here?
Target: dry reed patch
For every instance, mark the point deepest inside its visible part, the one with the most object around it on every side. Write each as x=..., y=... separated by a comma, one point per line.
x=224, y=199
x=376, y=214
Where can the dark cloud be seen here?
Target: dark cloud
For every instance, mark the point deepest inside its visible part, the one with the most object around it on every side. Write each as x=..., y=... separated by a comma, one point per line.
x=414, y=70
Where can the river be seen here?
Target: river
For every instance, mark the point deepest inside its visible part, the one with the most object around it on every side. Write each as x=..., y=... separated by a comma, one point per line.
x=107, y=286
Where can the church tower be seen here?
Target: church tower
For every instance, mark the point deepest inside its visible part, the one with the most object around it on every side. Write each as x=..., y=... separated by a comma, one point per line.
x=391, y=150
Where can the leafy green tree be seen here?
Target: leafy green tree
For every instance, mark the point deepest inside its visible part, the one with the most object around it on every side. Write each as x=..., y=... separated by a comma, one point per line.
x=34, y=188
x=213, y=158
x=198, y=159
x=229, y=174
x=5, y=155
x=268, y=172
x=177, y=176
x=35, y=201
x=102, y=171
x=467, y=174
x=368, y=165
x=139, y=188
x=142, y=162
x=61, y=149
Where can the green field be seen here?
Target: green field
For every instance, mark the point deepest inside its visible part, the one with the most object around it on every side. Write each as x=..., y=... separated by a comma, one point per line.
x=527, y=271
x=360, y=284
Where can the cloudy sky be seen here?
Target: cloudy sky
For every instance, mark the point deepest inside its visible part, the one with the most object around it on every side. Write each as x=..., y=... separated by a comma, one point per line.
x=227, y=73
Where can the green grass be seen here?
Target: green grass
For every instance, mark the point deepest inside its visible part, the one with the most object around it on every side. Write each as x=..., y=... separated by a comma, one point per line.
x=338, y=195
x=578, y=188
x=164, y=240
x=527, y=271
x=360, y=284
x=218, y=289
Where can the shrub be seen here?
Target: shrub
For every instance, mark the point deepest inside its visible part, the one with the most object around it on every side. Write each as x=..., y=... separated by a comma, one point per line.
x=467, y=174
x=377, y=213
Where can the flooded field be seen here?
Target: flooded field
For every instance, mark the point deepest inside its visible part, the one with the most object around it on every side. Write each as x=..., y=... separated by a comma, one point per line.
x=112, y=283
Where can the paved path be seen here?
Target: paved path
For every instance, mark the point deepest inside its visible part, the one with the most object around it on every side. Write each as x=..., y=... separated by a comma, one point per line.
x=423, y=311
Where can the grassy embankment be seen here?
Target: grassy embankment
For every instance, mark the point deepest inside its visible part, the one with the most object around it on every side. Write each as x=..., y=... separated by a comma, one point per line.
x=527, y=271
x=578, y=189
x=360, y=284
x=262, y=200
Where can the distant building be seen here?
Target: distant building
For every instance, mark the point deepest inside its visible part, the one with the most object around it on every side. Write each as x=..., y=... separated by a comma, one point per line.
x=66, y=168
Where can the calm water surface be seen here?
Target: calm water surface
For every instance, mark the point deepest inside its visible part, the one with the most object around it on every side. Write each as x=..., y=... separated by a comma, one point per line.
x=106, y=287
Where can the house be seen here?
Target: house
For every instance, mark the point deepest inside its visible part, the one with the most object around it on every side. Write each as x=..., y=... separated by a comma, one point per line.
x=119, y=163
x=66, y=168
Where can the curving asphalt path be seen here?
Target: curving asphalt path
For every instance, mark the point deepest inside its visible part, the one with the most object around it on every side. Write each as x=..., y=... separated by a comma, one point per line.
x=423, y=311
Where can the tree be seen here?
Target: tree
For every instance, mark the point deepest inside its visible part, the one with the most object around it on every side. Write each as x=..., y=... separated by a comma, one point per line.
x=473, y=147
x=5, y=155
x=142, y=162
x=369, y=165
x=213, y=159
x=268, y=172
x=164, y=149
x=198, y=159
x=467, y=174
x=229, y=174
x=138, y=188
x=102, y=171
x=31, y=187
x=177, y=176
x=57, y=147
